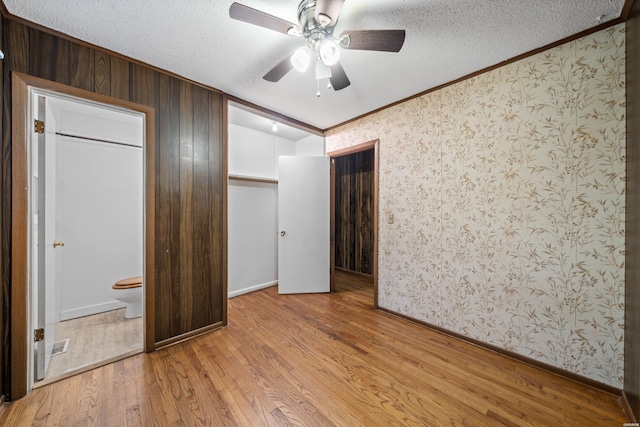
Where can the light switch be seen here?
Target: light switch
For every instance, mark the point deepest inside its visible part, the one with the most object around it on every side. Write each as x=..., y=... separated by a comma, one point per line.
x=389, y=217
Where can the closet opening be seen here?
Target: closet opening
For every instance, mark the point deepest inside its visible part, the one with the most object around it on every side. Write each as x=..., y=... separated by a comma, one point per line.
x=256, y=141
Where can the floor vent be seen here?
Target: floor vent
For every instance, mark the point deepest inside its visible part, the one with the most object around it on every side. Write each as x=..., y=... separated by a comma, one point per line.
x=60, y=347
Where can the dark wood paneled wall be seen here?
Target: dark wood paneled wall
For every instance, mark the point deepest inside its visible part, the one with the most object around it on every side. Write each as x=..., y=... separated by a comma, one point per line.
x=632, y=262
x=190, y=292
x=354, y=212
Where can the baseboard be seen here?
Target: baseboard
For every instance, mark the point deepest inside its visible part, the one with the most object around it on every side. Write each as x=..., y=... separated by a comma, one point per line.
x=252, y=288
x=626, y=407
x=183, y=337
x=512, y=355
x=89, y=310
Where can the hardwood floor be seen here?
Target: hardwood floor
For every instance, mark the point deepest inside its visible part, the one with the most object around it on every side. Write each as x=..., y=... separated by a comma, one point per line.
x=316, y=360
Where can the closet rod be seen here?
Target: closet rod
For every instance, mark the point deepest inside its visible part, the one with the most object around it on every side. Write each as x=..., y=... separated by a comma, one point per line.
x=98, y=140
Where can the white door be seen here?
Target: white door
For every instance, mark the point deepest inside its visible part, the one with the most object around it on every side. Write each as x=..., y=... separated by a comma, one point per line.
x=47, y=255
x=101, y=220
x=303, y=221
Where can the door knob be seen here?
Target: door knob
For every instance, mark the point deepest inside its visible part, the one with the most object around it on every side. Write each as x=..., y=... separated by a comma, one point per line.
x=56, y=244
x=282, y=233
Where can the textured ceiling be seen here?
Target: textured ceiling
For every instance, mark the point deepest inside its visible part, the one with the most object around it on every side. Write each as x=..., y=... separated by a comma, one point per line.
x=445, y=40
x=242, y=115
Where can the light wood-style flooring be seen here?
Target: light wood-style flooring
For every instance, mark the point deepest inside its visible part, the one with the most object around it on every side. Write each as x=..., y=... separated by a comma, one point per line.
x=316, y=360
x=95, y=339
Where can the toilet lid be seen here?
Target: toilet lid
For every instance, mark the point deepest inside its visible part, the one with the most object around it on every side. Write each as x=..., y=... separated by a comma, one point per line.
x=130, y=282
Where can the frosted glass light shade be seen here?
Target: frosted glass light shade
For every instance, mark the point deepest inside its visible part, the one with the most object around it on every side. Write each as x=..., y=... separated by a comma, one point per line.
x=329, y=52
x=301, y=58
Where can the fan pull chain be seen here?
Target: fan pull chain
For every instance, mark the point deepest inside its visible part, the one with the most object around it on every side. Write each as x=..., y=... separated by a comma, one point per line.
x=318, y=92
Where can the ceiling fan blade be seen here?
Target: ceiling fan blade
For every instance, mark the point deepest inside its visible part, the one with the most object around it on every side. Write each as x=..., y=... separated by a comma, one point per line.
x=256, y=17
x=328, y=11
x=380, y=40
x=339, y=79
x=278, y=72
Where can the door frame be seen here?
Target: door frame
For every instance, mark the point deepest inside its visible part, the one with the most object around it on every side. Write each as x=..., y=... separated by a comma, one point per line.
x=370, y=145
x=20, y=307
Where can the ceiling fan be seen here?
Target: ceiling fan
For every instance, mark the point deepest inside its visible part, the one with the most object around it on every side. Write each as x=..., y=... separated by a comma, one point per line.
x=317, y=20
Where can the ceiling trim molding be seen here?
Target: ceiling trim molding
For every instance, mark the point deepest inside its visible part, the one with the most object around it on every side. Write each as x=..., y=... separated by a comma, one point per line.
x=277, y=116
x=624, y=16
x=626, y=10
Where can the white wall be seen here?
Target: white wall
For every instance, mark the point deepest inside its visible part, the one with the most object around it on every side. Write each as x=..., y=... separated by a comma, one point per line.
x=100, y=205
x=253, y=245
x=253, y=207
x=101, y=197
x=312, y=145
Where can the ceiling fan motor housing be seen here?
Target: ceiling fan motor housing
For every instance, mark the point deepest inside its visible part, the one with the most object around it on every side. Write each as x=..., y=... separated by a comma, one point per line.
x=312, y=30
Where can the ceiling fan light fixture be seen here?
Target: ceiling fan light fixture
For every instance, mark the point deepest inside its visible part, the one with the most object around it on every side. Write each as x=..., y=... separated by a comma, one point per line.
x=329, y=52
x=301, y=58
x=323, y=71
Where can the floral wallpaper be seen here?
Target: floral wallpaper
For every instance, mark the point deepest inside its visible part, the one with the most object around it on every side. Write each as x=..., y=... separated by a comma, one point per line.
x=508, y=196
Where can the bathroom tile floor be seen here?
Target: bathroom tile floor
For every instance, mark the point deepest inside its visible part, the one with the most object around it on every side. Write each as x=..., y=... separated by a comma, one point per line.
x=94, y=339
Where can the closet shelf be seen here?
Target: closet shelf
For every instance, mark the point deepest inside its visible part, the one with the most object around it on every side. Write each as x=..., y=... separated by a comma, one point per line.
x=253, y=179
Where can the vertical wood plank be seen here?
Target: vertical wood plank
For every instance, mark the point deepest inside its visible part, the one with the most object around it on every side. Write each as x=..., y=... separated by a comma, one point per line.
x=186, y=205
x=18, y=42
x=120, y=79
x=352, y=218
x=54, y=65
x=163, y=225
x=81, y=67
x=143, y=87
x=202, y=205
x=366, y=212
x=174, y=200
x=354, y=212
x=168, y=208
x=102, y=79
x=144, y=82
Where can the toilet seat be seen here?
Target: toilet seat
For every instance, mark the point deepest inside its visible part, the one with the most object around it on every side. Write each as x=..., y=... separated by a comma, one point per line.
x=128, y=283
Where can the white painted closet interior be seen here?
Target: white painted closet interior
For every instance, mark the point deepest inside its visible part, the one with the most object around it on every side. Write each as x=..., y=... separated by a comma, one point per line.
x=253, y=198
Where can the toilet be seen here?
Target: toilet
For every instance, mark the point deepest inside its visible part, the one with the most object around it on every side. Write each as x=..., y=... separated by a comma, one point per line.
x=129, y=291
